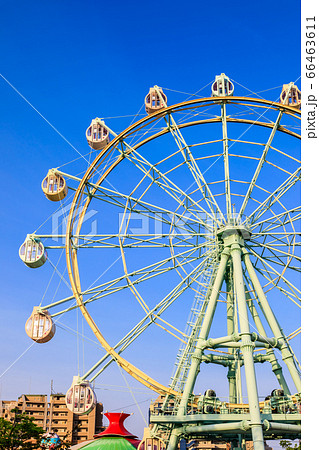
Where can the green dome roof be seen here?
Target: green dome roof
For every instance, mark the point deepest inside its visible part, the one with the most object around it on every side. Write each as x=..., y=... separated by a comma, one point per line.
x=109, y=443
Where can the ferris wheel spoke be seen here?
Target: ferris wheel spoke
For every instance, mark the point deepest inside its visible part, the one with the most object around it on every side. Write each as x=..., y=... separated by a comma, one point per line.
x=279, y=262
x=293, y=289
x=149, y=210
x=151, y=171
x=270, y=221
x=181, y=197
x=294, y=333
x=275, y=259
x=134, y=290
x=275, y=196
x=160, y=267
x=280, y=237
x=150, y=317
x=260, y=164
x=190, y=161
x=280, y=276
x=287, y=238
x=139, y=240
x=278, y=240
x=155, y=313
x=226, y=160
x=157, y=214
x=140, y=275
x=273, y=249
x=272, y=281
x=275, y=225
x=143, y=274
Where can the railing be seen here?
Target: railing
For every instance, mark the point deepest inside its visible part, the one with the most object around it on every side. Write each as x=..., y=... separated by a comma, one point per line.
x=274, y=405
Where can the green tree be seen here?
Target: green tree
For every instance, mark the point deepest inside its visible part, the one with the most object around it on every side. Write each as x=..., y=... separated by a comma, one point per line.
x=21, y=433
x=288, y=445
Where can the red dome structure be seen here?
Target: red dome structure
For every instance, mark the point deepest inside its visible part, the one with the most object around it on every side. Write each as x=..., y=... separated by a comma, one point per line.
x=116, y=428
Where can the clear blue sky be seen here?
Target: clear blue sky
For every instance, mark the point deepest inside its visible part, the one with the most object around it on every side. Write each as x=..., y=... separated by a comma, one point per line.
x=77, y=60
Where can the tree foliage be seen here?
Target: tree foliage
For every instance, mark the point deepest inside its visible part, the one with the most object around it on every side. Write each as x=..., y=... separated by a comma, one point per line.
x=21, y=433
x=289, y=445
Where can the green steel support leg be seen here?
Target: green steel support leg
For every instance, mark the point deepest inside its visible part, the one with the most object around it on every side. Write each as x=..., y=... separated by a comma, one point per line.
x=230, y=310
x=231, y=375
x=276, y=367
x=286, y=354
x=247, y=350
x=198, y=353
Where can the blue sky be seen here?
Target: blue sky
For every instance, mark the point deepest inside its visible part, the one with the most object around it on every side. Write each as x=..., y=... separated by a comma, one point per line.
x=72, y=61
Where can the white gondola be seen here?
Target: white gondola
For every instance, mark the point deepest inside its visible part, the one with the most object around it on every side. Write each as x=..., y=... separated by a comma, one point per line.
x=97, y=134
x=222, y=86
x=294, y=96
x=154, y=101
x=54, y=186
x=40, y=327
x=80, y=398
x=32, y=252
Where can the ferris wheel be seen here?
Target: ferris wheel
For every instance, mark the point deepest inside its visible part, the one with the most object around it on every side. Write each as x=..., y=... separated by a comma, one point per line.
x=198, y=240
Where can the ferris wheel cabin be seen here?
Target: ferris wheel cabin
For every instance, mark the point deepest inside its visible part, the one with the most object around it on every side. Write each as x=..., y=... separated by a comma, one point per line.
x=32, y=252
x=222, y=86
x=54, y=186
x=97, y=134
x=80, y=398
x=294, y=96
x=153, y=101
x=40, y=327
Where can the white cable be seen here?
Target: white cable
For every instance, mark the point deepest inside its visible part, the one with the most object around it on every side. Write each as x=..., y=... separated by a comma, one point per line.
x=50, y=280
x=136, y=403
x=19, y=357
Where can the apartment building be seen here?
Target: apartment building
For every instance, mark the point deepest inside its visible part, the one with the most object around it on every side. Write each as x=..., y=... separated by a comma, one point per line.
x=54, y=414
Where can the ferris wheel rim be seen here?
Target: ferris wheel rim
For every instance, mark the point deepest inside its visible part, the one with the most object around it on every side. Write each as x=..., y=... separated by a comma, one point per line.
x=71, y=253
x=214, y=100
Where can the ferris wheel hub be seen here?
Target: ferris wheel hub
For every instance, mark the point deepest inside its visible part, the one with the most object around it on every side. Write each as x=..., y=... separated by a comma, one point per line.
x=238, y=232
